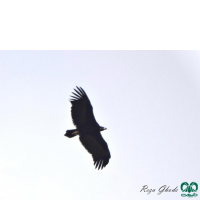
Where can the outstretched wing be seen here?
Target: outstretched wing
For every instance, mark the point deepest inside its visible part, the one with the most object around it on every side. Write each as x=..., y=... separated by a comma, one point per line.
x=96, y=145
x=81, y=111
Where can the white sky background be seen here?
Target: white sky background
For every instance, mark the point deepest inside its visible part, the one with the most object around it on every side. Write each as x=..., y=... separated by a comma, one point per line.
x=148, y=100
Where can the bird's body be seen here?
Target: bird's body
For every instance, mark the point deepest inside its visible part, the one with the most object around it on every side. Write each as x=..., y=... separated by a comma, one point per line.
x=88, y=129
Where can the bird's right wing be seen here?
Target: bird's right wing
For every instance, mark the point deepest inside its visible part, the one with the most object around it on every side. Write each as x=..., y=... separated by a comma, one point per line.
x=81, y=111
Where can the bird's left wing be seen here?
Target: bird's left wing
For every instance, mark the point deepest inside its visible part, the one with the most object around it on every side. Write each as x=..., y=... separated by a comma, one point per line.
x=97, y=146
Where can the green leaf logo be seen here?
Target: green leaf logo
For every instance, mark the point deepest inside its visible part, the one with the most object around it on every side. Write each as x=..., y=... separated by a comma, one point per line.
x=193, y=187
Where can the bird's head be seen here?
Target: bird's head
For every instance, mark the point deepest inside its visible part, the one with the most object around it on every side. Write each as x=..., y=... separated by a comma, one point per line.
x=102, y=128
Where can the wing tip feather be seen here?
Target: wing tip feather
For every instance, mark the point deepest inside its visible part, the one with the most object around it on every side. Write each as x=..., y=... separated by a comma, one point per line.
x=78, y=94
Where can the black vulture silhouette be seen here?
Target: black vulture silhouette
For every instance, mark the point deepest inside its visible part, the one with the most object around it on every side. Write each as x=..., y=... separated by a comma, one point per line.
x=88, y=129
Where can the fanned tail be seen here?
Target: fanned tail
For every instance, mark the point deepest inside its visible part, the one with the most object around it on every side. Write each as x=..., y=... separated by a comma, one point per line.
x=71, y=133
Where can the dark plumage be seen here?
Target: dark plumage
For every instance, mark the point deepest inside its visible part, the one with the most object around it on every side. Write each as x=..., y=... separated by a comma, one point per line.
x=88, y=129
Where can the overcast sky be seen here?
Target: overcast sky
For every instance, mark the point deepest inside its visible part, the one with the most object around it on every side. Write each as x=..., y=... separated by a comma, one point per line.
x=149, y=101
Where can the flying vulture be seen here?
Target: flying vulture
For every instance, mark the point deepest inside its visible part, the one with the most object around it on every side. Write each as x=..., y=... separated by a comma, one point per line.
x=88, y=129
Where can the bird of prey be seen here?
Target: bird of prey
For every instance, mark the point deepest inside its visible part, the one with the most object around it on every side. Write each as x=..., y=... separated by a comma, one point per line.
x=88, y=129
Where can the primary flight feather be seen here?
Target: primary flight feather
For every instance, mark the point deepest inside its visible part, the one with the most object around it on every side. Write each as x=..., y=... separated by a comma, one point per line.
x=88, y=129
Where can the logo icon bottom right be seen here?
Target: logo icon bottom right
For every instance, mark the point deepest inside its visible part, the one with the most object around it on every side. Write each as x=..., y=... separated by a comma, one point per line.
x=192, y=187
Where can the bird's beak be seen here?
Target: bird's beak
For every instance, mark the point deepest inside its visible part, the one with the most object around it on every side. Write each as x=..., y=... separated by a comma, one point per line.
x=104, y=128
